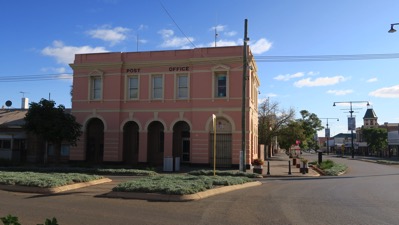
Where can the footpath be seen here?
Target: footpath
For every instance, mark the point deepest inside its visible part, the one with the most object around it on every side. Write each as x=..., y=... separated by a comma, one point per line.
x=279, y=166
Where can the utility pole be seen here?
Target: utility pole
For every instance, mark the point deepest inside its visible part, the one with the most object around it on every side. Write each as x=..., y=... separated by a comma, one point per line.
x=352, y=122
x=327, y=134
x=244, y=79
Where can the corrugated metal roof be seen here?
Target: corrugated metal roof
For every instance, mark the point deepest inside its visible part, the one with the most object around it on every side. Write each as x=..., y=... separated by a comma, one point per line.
x=12, y=117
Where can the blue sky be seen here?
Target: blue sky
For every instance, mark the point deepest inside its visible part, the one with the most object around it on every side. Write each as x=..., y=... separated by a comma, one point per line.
x=39, y=40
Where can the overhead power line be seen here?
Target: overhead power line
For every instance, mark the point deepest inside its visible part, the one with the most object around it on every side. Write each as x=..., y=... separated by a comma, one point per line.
x=326, y=57
x=273, y=59
x=36, y=77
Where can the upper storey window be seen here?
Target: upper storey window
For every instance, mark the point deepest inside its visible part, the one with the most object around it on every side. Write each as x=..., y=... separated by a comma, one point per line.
x=182, y=86
x=221, y=84
x=157, y=87
x=133, y=87
x=96, y=88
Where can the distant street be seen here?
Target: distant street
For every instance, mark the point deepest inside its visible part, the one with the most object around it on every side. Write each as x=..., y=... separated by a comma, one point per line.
x=367, y=194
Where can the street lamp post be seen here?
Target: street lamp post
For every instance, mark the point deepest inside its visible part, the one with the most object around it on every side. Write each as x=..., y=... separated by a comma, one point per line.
x=351, y=122
x=328, y=134
x=392, y=30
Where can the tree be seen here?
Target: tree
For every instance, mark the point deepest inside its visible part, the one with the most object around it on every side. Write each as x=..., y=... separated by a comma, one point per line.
x=271, y=119
x=310, y=124
x=52, y=124
x=376, y=138
x=290, y=133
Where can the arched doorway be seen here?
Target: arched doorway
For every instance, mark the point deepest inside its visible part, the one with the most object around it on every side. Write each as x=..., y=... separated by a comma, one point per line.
x=95, y=141
x=223, y=143
x=130, y=143
x=181, y=141
x=155, y=143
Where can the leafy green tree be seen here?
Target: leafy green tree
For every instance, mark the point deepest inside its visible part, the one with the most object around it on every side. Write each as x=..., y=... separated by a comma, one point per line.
x=310, y=124
x=52, y=124
x=376, y=138
x=290, y=133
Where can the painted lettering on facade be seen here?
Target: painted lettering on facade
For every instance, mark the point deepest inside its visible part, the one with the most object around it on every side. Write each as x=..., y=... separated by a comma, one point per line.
x=171, y=69
x=133, y=70
x=179, y=68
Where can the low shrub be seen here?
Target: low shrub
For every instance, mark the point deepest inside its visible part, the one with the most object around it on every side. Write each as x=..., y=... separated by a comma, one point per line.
x=44, y=180
x=98, y=171
x=224, y=173
x=178, y=184
x=335, y=170
x=388, y=162
x=330, y=168
x=327, y=164
x=13, y=220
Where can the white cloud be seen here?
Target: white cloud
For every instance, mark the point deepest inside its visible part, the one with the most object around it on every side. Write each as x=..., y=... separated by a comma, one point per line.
x=374, y=79
x=260, y=46
x=65, y=76
x=170, y=40
x=230, y=33
x=109, y=34
x=166, y=33
x=288, y=77
x=312, y=73
x=387, y=92
x=142, y=27
x=66, y=54
x=53, y=70
x=223, y=28
x=218, y=28
x=221, y=42
x=61, y=72
x=340, y=92
x=271, y=95
x=321, y=81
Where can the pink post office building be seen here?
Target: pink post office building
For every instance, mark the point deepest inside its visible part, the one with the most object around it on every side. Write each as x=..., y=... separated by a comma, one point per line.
x=155, y=108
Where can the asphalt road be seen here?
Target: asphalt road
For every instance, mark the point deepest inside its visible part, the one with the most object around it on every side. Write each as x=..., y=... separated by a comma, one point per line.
x=367, y=194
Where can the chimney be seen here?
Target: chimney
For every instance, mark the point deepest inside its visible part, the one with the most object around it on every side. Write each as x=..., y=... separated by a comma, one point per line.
x=25, y=103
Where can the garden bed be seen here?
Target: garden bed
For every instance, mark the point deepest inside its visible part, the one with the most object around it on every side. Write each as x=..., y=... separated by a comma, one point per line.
x=46, y=182
x=329, y=168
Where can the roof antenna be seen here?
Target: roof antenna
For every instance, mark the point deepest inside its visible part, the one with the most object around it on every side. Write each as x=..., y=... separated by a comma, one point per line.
x=137, y=44
x=216, y=31
x=23, y=93
x=216, y=35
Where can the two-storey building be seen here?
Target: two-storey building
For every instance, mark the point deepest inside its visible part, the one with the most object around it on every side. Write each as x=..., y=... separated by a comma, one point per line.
x=150, y=107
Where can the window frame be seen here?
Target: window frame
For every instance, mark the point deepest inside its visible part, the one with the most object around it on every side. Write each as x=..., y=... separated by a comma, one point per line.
x=129, y=88
x=96, y=90
x=218, y=74
x=186, y=87
x=153, y=88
